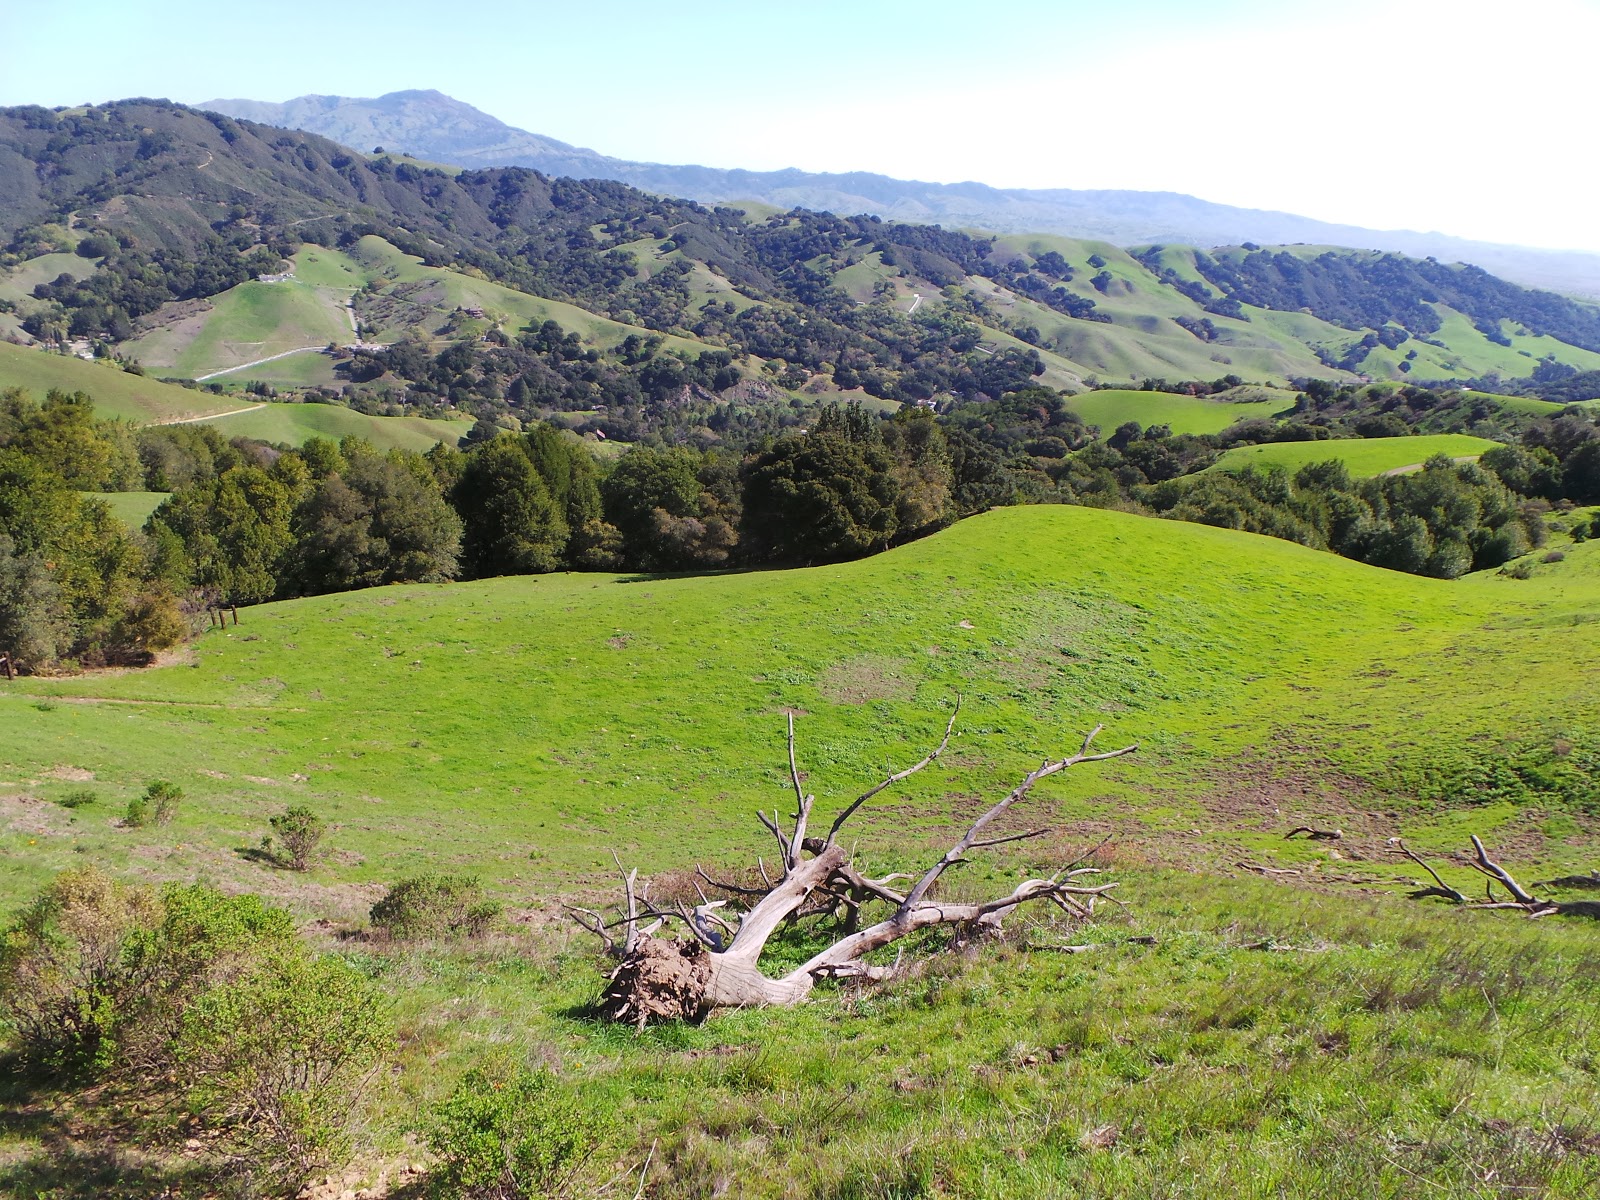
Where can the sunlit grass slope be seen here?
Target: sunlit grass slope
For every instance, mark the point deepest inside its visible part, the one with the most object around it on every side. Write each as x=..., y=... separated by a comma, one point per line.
x=293, y=424
x=1363, y=456
x=475, y=725
x=116, y=393
x=1111, y=407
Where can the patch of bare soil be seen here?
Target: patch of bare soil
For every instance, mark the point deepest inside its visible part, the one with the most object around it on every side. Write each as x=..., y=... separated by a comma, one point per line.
x=869, y=677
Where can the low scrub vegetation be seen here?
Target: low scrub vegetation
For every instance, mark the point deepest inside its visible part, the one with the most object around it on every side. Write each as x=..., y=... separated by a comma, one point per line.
x=198, y=1001
x=435, y=905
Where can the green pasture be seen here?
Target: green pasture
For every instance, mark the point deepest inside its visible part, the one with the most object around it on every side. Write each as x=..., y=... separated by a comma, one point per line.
x=1311, y=1034
x=1184, y=414
x=116, y=393
x=293, y=424
x=520, y=727
x=1363, y=456
x=244, y=324
x=17, y=283
x=131, y=508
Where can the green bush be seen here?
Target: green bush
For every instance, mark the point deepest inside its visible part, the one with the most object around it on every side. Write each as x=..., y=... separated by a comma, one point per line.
x=299, y=830
x=435, y=905
x=81, y=798
x=157, y=806
x=94, y=974
x=509, y=1136
x=64, y=985
x=275, y=1059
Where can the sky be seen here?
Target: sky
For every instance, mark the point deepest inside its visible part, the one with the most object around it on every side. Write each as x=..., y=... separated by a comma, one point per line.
x=1458, y=116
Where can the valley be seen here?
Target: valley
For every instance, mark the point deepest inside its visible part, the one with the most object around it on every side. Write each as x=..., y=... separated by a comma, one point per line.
x=434, y=592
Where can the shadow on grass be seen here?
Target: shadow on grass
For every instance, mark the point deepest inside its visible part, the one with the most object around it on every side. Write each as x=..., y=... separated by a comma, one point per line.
x=60, y=1166
x=265, y=858
x=68, y=1173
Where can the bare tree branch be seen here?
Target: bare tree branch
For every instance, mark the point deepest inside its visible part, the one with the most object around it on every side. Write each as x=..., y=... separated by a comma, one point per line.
x=1498, y=873
x=1441, y=888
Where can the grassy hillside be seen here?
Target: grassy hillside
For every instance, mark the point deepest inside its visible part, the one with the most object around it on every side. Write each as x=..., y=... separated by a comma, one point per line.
x=244, y=324
x=133, y=508
x=521, y=728
x=1363, y=456
x=561, y=713
x=1111, y=407
x=116, y=393
x=292, y=424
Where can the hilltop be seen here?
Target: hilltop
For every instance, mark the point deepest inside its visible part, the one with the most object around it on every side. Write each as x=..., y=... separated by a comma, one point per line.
x=432, y=126
x=180, y=238
x=573, y=711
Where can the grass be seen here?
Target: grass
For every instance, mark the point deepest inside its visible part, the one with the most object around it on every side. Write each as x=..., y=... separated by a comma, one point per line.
x=116, y=393
x=518, y=729
x=1363, y=456
x=567, y=713
x=293, y=424
x=131, y=508
x=244, y=324
x=1184, y=414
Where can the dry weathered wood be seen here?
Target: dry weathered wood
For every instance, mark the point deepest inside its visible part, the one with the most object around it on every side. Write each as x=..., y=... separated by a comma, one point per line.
x=657, y=979
x=1441, y=888
x=1316, y=835
x=1592, y=880
x=1498, y=873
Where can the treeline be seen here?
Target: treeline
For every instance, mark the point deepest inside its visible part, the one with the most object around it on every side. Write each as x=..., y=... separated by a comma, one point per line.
x=75, y=582
x=247, y=522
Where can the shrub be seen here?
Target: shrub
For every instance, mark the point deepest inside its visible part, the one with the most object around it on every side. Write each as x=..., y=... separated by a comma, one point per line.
x=503, y=1136
x=276, y=1057
x=157, y=806
x=299, y=829
x=81, y=798
x=94, y=973
x=1554, y=556
x=63, y=981
x=435, y=905
x=1522, y=569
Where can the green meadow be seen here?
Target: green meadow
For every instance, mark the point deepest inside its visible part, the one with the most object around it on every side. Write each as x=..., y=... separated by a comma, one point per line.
x=293, y=424
x=116, y=393
x=1315, y=1033
x=1112, y=407
x=1363, y=456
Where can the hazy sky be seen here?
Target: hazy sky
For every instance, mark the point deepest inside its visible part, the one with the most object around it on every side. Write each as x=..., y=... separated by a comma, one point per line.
x=1471, y=118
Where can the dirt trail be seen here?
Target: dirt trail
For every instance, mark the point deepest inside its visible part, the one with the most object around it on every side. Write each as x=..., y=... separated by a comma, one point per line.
x=255, y=363
x=232, y=412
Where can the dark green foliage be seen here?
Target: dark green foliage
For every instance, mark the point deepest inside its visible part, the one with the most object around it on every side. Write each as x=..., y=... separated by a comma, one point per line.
x=236, y=531
x=299, y=831
x=825, y=495
x=512, y=525
x=509, y=1135
x=80, y=798
x=371, y=521
x=435, y=905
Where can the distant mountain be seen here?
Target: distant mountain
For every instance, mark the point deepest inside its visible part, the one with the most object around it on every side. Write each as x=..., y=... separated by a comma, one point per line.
x=432, y=126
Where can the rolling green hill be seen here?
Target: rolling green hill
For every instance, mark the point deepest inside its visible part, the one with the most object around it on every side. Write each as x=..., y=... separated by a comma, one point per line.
x=293, y=424
x=1363, y=456
x=1111, y=407
x=569, y=713
x=116, y=393
x=144, y=401
x=520, y=729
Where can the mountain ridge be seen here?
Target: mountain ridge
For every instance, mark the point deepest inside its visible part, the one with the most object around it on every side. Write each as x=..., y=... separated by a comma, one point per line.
x=430, y=125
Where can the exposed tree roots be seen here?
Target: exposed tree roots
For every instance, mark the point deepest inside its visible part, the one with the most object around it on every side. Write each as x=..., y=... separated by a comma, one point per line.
x=716, y=964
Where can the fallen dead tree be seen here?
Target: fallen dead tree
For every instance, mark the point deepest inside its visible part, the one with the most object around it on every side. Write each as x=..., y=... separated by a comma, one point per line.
x=717, y=965
x=1517, y=897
